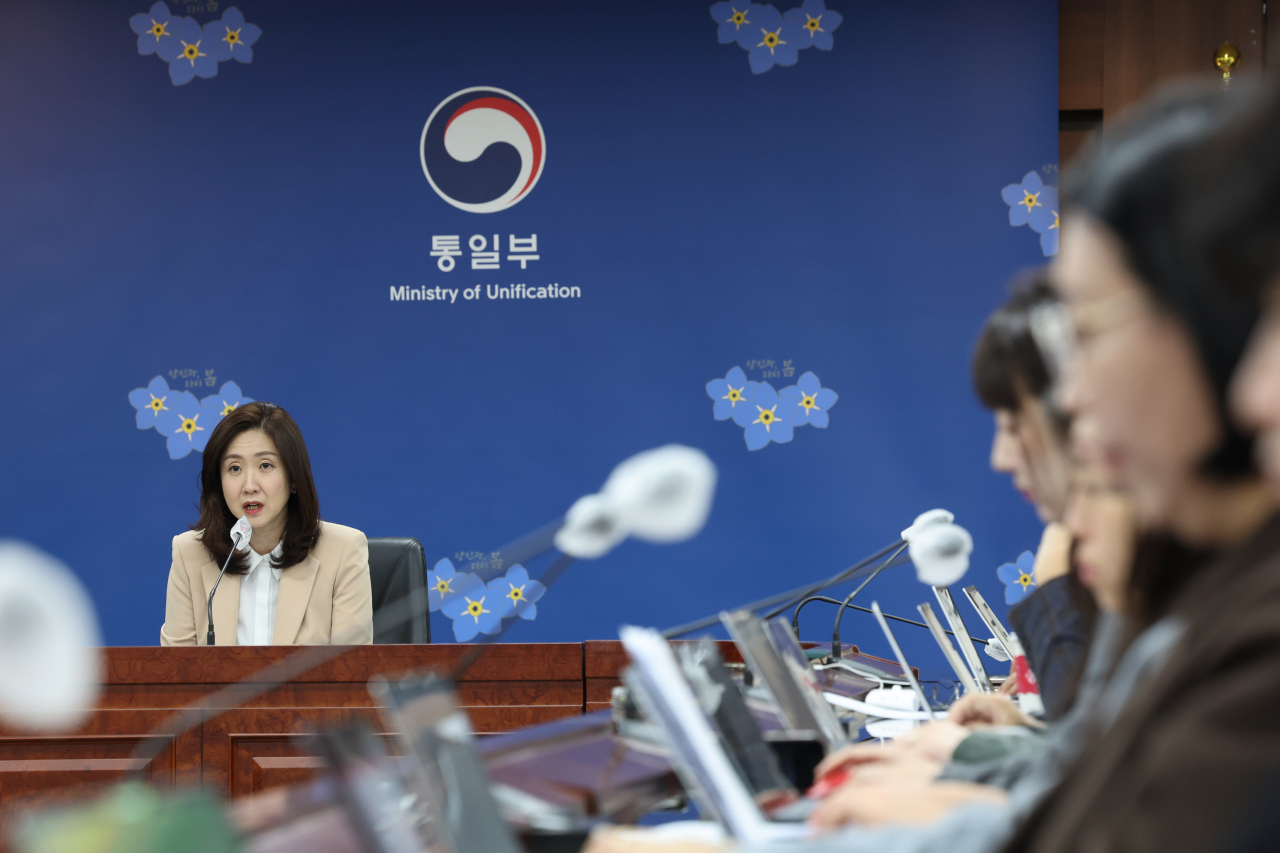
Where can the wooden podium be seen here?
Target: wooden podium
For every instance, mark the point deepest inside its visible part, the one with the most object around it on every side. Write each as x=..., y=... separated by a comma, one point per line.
x=244, y=750
x=238, y=751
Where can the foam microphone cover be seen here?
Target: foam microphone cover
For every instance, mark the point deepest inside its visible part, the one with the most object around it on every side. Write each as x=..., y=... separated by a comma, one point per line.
x=241, y=533
x=664, y=494
x=50, y=661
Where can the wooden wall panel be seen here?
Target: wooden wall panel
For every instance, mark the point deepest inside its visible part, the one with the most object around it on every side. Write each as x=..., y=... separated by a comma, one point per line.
x=1147, y=42
x=1080, y=29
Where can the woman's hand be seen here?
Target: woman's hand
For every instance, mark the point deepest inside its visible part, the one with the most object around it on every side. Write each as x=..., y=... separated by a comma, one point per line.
x=901, y=802
x=934, y=741
x=1053, y=557
x=931, y=744
x=850, y=756
x=988, y=709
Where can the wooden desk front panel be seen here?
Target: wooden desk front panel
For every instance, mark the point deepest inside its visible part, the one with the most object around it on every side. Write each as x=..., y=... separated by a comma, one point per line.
x=264, y=743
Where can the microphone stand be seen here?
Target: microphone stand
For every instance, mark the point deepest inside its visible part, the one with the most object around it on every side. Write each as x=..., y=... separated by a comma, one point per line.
x=209, y=639
x=835, y=631
x=824, y=599
x=789, y=597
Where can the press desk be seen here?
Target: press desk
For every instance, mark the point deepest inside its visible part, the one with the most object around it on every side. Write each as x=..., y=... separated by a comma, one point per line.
x=244, y=750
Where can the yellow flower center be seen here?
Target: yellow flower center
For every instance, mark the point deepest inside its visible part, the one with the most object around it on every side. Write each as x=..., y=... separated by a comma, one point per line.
x=739, y=18
x=767, y=416
x=517, y=593
x=475, y=608
x=157, y=404
x=1025, y=580
x=189, y=426
x=228, y=408
x=191, y=51
x=735, y=395
x=814, y=25
x=232, y=37
x=1030, y=200
x=158, y=30
x=1055, y=221
x=771, y=40
x=443, y=586
x=808, y=403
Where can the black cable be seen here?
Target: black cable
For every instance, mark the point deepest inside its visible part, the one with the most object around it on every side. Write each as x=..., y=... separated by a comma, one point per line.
x=791, y=596
x=851, y=574
x=835, y=631
x=827, y=600
x=795, y=616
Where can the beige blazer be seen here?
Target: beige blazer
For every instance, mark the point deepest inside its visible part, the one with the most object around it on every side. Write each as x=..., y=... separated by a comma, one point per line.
x=325, y=599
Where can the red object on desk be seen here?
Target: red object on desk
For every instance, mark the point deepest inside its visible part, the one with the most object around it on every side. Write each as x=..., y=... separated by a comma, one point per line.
x=827, y=784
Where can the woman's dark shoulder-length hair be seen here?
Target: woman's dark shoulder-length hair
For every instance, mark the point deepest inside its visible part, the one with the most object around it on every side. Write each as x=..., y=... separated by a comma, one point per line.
x=1006, y=361
x=1143, y=181
x=302, y=523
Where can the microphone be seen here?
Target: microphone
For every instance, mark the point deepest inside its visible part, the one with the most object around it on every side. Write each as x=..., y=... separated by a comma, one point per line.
x=940, y=550
x=241, y=533
x=939, y=547
x=835, y=631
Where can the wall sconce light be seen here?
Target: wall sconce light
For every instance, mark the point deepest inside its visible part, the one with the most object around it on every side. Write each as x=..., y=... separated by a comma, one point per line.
x=1226, y=57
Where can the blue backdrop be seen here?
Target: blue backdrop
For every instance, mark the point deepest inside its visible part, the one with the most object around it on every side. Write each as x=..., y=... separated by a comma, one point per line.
x=841, y=215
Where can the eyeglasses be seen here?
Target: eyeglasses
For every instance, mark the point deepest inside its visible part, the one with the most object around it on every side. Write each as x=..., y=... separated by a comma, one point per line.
x=1094, y=319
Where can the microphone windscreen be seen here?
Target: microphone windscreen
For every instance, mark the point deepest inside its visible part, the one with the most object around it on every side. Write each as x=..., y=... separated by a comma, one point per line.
x=50, y=661
x=592, y=527
x=664, y=494
x=241, y=533
x=941, y=553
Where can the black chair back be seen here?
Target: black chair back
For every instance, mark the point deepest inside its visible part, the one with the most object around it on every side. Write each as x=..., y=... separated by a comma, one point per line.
x=397, y=570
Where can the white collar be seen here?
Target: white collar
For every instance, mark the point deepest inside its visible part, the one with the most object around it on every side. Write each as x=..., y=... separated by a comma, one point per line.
x=256, y=559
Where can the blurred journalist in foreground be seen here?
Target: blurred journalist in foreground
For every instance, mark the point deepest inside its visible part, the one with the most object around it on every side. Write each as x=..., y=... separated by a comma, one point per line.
x=302, y=581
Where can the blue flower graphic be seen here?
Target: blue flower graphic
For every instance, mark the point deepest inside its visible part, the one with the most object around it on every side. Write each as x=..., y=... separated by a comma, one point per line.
x=1049, y=236
x=730, y=393
x=1019, y=578
x=443, y=583
x=231, y=37
x=816, y=21
x=473, y=609
x=153, y=28
x=766, y=418
x=1032, y=203
x=189, y=54
x=733, y=18
x=180, y=423
x=151, y=401
x=811, y=401
x=227, y=400
x=771, y=40
x=515, y=595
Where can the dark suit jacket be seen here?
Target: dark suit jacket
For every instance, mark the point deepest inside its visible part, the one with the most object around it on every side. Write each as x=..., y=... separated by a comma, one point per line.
x=1189, y=751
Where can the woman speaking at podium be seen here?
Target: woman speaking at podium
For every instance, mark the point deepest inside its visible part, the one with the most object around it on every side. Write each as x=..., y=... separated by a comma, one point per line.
x=301, y=581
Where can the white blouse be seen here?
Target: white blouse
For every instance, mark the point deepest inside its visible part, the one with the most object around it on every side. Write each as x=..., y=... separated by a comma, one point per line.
x=259, y=595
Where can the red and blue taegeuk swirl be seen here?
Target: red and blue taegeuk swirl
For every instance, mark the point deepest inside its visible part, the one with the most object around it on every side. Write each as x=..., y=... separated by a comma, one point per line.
x=483, y=149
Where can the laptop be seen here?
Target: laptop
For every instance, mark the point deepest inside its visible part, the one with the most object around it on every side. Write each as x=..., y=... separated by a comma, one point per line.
x=777, y=659
x=659, y=687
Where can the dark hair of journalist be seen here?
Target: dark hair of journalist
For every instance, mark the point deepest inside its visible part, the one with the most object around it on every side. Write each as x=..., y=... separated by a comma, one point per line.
x=302, y=525
x=1138, y=180
x=1006, y=361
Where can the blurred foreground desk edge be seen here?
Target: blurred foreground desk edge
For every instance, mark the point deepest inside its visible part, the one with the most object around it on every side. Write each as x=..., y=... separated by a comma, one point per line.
x=245, y=750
